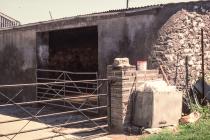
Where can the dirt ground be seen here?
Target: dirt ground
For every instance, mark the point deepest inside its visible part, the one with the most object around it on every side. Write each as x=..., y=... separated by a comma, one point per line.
x=11, y=113
x=118, y=137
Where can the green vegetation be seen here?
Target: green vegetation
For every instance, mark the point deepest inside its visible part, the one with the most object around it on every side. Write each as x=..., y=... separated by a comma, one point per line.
x=199, y=130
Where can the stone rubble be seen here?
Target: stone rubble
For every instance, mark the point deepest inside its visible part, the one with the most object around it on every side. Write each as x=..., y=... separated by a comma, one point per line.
x=191, y=118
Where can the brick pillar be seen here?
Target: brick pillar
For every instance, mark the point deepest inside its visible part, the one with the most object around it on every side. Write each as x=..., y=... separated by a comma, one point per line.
x=122, y=86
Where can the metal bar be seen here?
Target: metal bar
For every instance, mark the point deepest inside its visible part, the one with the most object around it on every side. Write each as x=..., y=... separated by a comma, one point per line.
x=33, y=116
x=73, y=83
x=64, y=106
x=69, y=119
x=36, y=82
x=69, y=107
x=65, y=122
x=52, y=114
x=202, y=65
x=57, y=79
x=74, y=102
x=64, y=99
x=56, y=93
x=80, y=73
x=23, y=109
x=64, y=76
x=78, y=93
x=186, y=75
x=45, y=83
x=97, y=91
x=109, y=105
x=88, y=97
x=14, y=96
x=59, y=125
x=32, y=102
x=62, y=90
x=86, y=82
x=50, y=79
x=45, y=93
x=69, y=87
x=28, y=122
x=62, y=81
x=164, y=74
x=85, y=115
x=78, y=109
x=49, y=98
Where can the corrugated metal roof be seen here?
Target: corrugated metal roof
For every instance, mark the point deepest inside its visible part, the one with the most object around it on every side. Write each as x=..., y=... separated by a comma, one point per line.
x=109, y=12
x=142, y=8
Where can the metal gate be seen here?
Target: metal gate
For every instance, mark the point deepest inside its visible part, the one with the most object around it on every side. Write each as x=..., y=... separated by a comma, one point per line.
x=65, y=107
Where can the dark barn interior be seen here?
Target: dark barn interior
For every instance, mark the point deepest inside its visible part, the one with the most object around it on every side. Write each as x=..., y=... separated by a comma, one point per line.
x=70, y=54
x=74, y=50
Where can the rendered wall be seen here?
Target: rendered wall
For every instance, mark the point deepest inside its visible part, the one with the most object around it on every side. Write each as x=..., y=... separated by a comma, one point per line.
x=18, y=63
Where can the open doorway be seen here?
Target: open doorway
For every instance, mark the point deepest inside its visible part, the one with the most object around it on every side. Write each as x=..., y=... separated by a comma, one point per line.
x=73, y=50
x=69, y=55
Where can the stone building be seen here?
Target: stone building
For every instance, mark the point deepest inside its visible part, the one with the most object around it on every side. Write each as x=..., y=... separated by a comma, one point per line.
x=160, y=34
x=6, y=21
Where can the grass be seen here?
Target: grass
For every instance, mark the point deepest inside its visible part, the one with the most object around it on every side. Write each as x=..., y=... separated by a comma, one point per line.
x=195, y=131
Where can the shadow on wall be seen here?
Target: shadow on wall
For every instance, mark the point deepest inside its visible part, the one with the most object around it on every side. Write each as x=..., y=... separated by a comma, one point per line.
x=137, y=48
x=11, y=62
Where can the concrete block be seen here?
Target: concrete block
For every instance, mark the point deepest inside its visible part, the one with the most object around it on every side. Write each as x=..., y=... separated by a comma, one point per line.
x=157, y=109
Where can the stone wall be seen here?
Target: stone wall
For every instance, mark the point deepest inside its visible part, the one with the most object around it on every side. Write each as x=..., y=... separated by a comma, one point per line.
x=179, y=37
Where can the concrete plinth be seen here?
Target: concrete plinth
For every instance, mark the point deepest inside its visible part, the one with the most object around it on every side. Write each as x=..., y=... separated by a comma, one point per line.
x=157, y=109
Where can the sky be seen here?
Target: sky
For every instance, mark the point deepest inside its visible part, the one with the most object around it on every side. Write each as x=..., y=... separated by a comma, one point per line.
x=29, y=11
